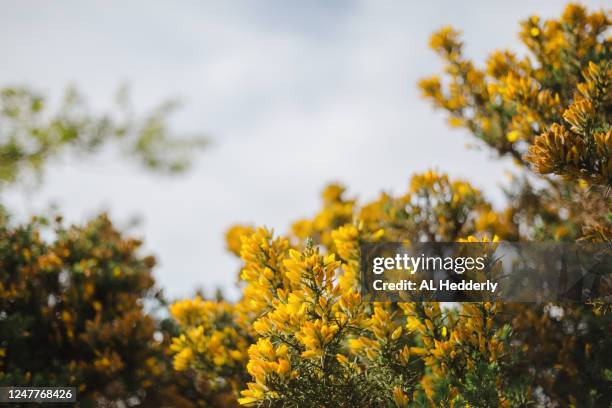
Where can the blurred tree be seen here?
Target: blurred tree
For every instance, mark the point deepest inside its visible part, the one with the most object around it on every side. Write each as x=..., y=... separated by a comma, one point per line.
x=32, y=134
x=73, y=312
x=81, y=308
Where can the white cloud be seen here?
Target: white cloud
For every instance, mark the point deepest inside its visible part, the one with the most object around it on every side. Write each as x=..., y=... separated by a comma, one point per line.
x=294, y=95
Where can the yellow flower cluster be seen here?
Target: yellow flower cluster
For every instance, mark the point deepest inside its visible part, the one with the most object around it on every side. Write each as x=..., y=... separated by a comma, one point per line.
x=302, y=314
x=583, y=149
x=336, y=212
x=512, y=101
x=211, y=341
x=263, y=258
x=264, y=360
x=233, y=237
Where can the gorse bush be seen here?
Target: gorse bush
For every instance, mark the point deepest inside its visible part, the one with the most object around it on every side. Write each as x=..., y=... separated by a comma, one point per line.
x=555, y=103
x=75, y=306
x=72, y=313
x=301, y=336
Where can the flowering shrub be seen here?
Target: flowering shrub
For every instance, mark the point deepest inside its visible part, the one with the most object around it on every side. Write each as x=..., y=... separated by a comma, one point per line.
x=313, y=342
x=554, y=103
x=301, y=336
x=72, y=314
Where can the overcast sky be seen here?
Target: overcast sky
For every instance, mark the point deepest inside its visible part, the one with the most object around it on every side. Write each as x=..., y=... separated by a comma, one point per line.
x=293, y=95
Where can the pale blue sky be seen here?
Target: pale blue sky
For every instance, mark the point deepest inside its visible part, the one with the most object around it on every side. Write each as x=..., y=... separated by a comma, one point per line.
x=293, y=95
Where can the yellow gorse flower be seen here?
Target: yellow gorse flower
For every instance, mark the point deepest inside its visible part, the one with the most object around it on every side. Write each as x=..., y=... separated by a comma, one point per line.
x=303, y=334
